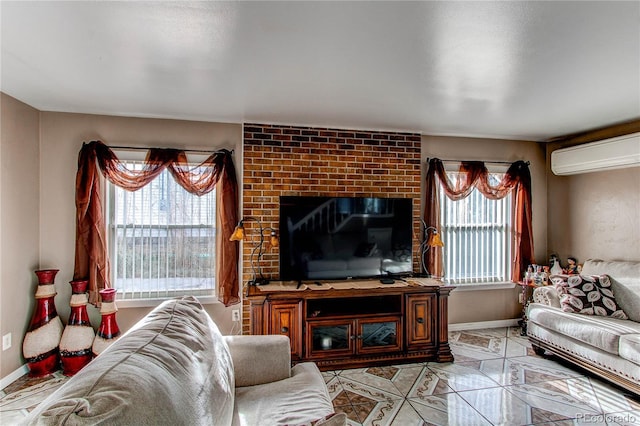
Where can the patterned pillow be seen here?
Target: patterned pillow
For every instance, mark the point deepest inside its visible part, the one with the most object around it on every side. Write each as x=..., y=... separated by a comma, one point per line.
x=590, y=295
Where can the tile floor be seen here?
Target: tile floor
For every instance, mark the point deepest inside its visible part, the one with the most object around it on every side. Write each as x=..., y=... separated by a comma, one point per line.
x=496, y=379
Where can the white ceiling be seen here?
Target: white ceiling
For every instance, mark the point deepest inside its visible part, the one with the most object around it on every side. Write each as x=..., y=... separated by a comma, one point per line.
x=521, y=70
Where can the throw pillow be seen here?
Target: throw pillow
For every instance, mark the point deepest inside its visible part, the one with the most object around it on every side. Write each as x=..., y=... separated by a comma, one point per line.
x=590, y=295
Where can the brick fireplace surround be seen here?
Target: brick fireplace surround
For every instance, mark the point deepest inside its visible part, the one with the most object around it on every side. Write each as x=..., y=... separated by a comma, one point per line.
x=292, y=160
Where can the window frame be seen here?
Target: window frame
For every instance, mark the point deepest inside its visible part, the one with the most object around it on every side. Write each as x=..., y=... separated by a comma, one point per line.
x=130, y=155
x=462, y=285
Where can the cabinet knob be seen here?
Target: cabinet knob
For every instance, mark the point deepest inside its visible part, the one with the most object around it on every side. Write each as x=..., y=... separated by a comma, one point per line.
x=420, y=320
x=284, y=330
x=352, y=337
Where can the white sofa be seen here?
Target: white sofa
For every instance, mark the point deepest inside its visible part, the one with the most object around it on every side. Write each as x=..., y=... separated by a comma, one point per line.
x=606, y=346
x=175, y=368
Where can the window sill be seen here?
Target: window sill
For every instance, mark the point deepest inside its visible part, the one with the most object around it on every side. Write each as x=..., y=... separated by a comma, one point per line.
x=482, y=286
x=152, y=303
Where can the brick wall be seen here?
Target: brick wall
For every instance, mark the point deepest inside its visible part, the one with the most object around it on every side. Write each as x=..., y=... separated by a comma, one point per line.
x=292, y=160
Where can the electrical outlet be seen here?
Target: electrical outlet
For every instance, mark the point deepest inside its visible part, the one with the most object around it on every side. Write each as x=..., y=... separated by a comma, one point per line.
x=6, y=341
x=235, y=315
x=520, y=298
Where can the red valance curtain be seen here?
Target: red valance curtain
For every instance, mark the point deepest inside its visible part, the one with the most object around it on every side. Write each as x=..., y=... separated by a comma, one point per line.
x=474, y=174
x=91, y=258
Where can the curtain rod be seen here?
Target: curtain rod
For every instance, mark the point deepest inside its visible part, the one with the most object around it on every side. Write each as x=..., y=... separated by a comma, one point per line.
x=486, y=162
x=197, y=151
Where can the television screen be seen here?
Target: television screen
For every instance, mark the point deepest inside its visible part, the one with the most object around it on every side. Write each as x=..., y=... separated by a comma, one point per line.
x=344, y=237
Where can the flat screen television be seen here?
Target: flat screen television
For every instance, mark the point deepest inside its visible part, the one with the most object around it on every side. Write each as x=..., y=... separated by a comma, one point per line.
x=323, y=238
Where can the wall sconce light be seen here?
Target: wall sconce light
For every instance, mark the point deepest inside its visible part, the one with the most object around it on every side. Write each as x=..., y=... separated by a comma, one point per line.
x=259, y=249
x=430, y=238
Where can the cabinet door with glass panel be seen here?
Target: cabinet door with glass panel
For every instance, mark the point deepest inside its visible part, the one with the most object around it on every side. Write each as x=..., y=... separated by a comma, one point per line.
x=382, y=334
x=339, y=337
x=334, y=337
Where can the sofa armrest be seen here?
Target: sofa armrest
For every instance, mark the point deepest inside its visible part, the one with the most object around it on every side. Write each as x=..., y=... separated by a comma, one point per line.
x=260, y=359
x=547, y=295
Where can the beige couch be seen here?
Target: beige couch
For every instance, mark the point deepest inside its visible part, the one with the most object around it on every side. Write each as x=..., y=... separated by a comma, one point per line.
x=175, y=368
x=606, y=346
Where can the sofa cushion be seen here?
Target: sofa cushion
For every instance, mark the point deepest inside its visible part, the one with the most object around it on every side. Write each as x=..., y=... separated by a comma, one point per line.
x=172, y=367
x=278, y=403
x=625, y=282
x=585, y=294
x=274, y=358
x=630, y=348
x=602, y=332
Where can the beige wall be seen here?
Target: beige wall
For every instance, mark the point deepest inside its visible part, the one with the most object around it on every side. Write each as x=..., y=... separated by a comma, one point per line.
x=492, y=305
x=595, y=215
x=62, y=136
x=19, y=211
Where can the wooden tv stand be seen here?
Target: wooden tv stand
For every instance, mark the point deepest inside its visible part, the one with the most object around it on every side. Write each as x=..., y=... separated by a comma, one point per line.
x=355, y=323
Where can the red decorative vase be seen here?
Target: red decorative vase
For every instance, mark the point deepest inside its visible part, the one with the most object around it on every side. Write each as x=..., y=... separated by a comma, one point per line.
x=78, y=335
x=40, y=344
x=108, y=332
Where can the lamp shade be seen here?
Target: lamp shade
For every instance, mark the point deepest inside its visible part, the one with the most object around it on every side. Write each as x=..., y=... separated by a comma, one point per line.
x=434, y=240
x=238, y=234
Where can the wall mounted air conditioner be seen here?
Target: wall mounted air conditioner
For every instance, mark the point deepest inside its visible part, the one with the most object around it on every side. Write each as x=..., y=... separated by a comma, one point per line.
x=608, y=154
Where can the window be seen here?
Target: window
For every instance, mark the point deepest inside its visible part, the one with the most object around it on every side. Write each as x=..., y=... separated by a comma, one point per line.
x=161, y=239
x=476, y=232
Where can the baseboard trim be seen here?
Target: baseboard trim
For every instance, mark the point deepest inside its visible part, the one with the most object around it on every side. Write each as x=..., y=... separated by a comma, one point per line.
x=12, y=377
x=484, y=324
